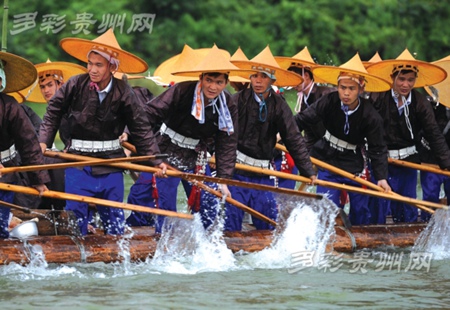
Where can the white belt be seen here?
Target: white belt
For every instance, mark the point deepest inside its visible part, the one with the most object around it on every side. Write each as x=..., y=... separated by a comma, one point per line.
x=94, y=146
x=402, y=153
x=9, y=154
x=244, y=159
x=180, y=140
x=338, y=144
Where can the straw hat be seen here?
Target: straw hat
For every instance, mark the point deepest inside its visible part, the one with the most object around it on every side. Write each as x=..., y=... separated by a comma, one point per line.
x=353, y=67
x=302, y=59
x=441, y=91
x=19, y=72
x=214, y=61
x=107, y=43
x=427, y=73
x=186, y=60
x=238, y=55
x=375, y=58
x=59, y=69
x=265, y=62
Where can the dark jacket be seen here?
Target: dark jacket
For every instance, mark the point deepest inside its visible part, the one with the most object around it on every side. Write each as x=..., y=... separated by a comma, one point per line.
x=318, y=130
x=365, y=126
x=257, y=139
x=173, y=108
x=442, y=116
x=421, y=116
x=16, y=128
x=91, y=120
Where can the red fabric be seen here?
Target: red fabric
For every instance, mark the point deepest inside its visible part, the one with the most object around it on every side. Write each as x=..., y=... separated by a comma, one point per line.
x=194, y=199
x=155, y=193
x=365, y=176
x=343, y=199
x=289, y=165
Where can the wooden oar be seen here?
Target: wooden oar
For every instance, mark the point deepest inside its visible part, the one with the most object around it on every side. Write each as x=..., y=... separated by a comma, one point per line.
x=129, y=146
x=92, y=200
x=178, y=174
x=233, y=202
x=341, y=186
x=421, y=167
x=97, y=162
x=355, y=178
x=230, y=200
x=170, y=173
x=13, y=206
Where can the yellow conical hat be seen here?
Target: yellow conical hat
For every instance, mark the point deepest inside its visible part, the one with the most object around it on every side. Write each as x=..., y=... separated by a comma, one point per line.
x=186, y=60
x=375, y=58
x=441, y=91
x=214, y=61
x=265, y=62
x=106, y=43
x=427, y=73
x=58, y=69
x=353, y=67
x=302, y=59
x=239, y=55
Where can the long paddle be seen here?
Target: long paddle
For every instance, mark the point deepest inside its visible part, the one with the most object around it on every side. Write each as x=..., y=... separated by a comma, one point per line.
x=92, y=200
x=13, y=206
x=180, y=174
x=355, y=178
x=230, y=200
x=169, y=173
x=210, y=190
x=340, y=186
x=79, y=164
x=421, y=167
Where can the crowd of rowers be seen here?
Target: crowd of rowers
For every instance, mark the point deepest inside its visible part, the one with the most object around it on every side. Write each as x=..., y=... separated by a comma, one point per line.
x=373, y=113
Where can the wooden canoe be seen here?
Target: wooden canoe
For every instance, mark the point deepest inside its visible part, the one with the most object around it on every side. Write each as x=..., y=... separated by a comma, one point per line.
x=59, y=240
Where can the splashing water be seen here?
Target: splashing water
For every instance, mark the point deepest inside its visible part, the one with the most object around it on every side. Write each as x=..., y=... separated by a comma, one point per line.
x=303, y=225
x=124, y=246
x=186, y=247
x=435, y=238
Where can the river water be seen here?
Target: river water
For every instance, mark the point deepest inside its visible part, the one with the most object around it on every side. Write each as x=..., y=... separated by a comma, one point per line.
x=193, y=269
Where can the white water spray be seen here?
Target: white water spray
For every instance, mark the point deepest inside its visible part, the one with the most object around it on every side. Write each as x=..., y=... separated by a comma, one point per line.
x=186, y=247
x=304, y=225
x=435, y=239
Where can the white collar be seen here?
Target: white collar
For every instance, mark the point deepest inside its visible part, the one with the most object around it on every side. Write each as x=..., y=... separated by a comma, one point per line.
x=408, y=100
x=107, y=88
x=350, y=112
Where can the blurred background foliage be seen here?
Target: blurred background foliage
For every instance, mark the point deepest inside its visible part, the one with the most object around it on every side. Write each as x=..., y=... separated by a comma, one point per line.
x=333, y=30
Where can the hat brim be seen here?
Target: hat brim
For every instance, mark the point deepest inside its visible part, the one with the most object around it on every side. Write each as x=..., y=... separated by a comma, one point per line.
x=286, y=62
x=443, y=88
x=331, y=74
x=428, y=74
x=19, y=72
x=33, y=92
x=283, y=77
x=79, y=48
x=163, y=73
